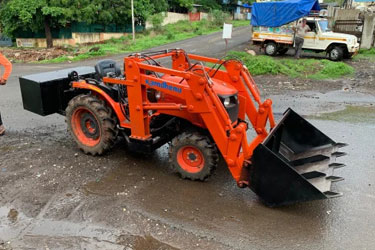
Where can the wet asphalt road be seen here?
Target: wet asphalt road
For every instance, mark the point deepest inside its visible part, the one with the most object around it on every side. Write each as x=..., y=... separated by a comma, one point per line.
x=66, y=200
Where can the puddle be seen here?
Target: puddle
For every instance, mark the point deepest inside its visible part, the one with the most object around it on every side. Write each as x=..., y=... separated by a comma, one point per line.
x=351, y=114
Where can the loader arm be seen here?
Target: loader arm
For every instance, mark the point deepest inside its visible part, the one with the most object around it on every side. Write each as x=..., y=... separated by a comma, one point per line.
x=200, y=100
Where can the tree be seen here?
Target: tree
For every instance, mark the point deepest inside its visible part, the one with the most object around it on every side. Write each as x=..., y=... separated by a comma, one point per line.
x=178, y=4
x=35, y=14
x=119, y=11
x=38, y=15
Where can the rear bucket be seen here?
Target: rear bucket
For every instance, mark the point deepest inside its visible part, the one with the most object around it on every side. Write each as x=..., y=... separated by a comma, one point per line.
x=295, y=163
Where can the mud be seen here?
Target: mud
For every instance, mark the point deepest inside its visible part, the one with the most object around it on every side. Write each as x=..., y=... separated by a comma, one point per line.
x=34, y=55
x=52, y=196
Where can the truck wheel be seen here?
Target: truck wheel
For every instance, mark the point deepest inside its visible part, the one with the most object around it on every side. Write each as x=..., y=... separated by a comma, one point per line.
x=193, y=156
x=336, y=54
x=91, y=124
x=271, y=49
x=283, y=51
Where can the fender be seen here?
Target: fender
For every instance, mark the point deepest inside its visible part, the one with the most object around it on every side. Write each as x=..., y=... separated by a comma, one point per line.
x=123, y=122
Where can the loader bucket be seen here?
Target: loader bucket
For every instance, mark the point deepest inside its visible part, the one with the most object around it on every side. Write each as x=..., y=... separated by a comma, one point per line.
x=295, y=163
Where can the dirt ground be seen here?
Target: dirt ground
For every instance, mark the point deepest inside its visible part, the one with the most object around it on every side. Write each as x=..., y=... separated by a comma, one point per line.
x=33, y=55
x=52, y=196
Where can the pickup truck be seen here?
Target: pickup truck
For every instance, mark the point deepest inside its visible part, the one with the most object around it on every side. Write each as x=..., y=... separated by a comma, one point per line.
x=278, y=40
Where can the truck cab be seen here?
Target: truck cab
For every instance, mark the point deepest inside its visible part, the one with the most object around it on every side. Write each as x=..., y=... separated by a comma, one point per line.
x=320, y=39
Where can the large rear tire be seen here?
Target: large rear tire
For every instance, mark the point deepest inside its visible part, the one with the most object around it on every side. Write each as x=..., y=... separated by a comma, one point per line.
x=193, y=156
x=91, y=124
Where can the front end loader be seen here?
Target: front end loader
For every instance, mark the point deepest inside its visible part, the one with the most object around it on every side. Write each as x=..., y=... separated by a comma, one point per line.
x=204, y=113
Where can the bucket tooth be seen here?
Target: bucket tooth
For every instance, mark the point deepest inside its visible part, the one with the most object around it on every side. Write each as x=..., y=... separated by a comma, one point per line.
x=336, y=165
x=341, y=145
x=295, y=163
x=331, y=194
x=338, y=154
x=335, y=178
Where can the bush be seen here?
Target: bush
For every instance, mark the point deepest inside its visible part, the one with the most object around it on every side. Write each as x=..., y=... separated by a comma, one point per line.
x=219, y=17
x=157, y=21
x=170, y=35
x=367, y=51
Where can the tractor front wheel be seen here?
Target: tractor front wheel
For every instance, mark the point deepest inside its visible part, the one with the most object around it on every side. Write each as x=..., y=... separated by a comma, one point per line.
x=193, y=156
x=91, y=124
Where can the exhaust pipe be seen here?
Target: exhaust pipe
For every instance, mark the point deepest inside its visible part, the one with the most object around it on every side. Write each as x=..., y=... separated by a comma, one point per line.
x=295, y=163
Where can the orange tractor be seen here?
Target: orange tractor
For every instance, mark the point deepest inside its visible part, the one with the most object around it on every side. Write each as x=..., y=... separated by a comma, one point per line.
x=203, y=112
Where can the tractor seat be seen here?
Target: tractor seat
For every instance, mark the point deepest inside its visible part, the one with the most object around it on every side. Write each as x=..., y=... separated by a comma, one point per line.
x=107, y=68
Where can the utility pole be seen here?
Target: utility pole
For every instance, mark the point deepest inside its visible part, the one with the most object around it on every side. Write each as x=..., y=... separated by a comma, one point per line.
x=133, y=28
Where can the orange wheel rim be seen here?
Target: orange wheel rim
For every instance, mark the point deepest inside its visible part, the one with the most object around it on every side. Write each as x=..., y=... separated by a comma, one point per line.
x=190, y=159
x=86, y=127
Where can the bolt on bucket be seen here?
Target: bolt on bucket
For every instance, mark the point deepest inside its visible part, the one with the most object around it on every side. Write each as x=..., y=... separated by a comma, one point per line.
x=295, y=163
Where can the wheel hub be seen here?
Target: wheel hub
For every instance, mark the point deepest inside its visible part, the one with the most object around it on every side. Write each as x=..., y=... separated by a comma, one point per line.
x=270, y=49
x=86, y=127
x=334, y=53
x=190, y=159
x=89, y=126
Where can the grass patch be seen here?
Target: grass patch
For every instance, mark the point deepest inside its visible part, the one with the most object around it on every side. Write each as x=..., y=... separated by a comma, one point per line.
x=303, y=68
x=367, y=51
x=167, y=34
x=366, y=54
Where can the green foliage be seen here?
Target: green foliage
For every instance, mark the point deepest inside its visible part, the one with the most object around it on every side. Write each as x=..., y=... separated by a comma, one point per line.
x=365, y=54
x=171, y=33
x=157, y=21
x=19, y=15
x=305, y=68
x=181, y=3
x=332, y=70
x=367, y=51
x=210, y=4
x=219, y=17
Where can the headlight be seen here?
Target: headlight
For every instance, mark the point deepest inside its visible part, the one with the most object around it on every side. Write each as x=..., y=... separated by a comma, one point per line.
x=226, y=102
x=231, y=104
x=154, y=95
x=158, y=95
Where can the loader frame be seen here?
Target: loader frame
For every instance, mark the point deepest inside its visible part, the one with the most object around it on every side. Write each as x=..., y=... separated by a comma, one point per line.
x=195, y=101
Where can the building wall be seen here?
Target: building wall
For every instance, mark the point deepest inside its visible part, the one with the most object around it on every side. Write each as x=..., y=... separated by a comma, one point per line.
x=77, y=38
x=347, y=14
x=171, y=17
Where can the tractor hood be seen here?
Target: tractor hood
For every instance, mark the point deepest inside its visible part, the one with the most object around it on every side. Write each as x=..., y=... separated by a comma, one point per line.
x=221, y=88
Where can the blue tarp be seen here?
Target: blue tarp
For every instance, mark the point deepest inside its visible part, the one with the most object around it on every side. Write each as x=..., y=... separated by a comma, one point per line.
x=275, y=14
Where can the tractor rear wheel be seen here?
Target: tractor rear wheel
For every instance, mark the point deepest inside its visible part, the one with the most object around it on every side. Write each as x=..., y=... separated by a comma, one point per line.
x=91, y=124
x=193, y=156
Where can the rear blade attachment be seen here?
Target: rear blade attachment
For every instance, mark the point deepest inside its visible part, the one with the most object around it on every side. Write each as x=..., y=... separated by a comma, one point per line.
x=295, y=163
